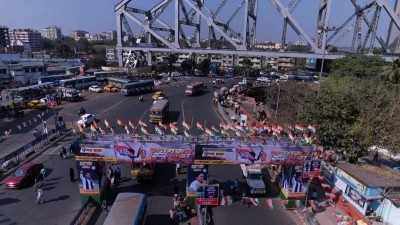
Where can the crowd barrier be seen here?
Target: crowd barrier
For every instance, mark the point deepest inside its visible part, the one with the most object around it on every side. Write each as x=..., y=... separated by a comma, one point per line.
x=14, y=157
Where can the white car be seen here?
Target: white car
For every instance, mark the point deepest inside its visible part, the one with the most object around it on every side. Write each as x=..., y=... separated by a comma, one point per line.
x=86, y=119
x=95, y=88
x=262, y=79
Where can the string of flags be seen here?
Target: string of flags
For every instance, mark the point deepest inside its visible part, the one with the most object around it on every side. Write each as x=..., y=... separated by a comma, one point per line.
x=226, y=129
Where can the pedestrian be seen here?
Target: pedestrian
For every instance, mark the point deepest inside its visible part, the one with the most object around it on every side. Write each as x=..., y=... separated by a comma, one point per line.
x=43, y=173
x=40, y=194
x=1, y=97
x=35, y=133
x=244, y=199
x=235, y=186
x=117, y=174
x=7, y=97
x=178, y=168
x=70, y=148
x=61, y=155
x=172, y=214
x=64, y=151
x=72, y=174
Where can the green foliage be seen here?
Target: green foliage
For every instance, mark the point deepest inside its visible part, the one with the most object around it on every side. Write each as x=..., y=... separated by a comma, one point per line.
x=205, y=66
x=351, y=114
x=96, y=62
x=188, y=65
x=360, y=66
x=172, y=58
x=391, y=72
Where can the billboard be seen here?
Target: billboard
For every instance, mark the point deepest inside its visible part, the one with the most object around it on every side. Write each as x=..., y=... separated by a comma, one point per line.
x=210, y=195
x=196, y=180
x=88, y=177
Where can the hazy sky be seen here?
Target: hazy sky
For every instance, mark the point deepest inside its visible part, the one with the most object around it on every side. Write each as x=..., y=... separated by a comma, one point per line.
x=96, y=16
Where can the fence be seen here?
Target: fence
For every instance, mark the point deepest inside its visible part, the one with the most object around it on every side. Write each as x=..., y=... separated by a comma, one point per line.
x=13, y=158
x=81, y=214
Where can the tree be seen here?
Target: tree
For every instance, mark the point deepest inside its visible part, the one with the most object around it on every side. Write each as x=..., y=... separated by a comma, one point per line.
x=391, y=72
x=172, y=58
x=246, y=62
x=357, y=65
x=96, y=62
x=84, y=45
x=205, y=66
x=187, y=65
x=48, y=44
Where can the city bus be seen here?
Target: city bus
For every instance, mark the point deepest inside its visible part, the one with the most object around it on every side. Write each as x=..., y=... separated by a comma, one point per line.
x=128, y=208
x=194, y=88
x=101, y=76
x=55, y=78
x=138, y=87
x=31, y=92
x=118, y=82
x=159, y=111
x=79, y=82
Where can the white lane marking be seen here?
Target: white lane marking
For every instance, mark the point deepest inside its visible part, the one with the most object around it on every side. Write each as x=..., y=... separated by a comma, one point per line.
x=183, y=109
x=54, y=152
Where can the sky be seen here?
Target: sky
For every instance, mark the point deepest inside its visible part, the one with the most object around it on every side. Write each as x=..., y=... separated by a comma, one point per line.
x=97, y=16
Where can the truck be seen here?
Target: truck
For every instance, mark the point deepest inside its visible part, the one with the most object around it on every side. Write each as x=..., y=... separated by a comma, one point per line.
x=69, y=94
x=254, y=178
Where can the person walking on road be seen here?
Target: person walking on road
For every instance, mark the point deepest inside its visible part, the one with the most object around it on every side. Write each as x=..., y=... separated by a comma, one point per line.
x=64, y=151
x=7, y=98
x=72, y=174
x=62, y=155
x=40, y=194
x=43, y=174
x=1, y=98
x=172, y=214
x=70, y=148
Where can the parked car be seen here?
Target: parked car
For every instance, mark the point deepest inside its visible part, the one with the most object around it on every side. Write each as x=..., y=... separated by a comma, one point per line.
x=262, y=79
x=86, y=119
x=95, y=88
x=24, y=175
x=36, y=104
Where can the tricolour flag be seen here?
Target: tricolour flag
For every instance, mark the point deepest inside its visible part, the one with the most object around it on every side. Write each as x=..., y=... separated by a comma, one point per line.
x=127, y=129
x=107, y=123
x=324, y=185
x=276, y=130
x=298, y=127
x=214, y=129
x=93, y=128
x=225, y=133
x=162, y=125
x=141, y=123
x=95, y=124
x=222, y=125
x=185, y=125
x=102, y=131
x=306, y=138
x=209, y=132
x=131, y=124
x=199, y=126
x=80, y=128
x=329, y=195
x=144, y=130
x=267, y=128
x=289, y=126
x=238, y=127
x=312, y=128
x=230, y=127
x=186, y=133
x=122, y=124
x=269, y=203
x=237, y=132
x=174, y=131
x=172, y=126
x=159, y=131
x=112, y=131
x=291, y=136
x=277, y=135
x=279, y=127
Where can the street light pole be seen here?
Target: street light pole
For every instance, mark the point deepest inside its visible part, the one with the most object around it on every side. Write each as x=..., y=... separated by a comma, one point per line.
x=277, y=100
x=325, y=30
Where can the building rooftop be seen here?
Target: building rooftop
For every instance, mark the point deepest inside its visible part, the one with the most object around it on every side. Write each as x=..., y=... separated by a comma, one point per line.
x=371, y=176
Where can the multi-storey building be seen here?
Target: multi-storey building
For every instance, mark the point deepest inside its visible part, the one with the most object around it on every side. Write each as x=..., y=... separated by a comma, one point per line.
x=30, y=36
x=286, y=63
x=4, y=36
x=110, y=35
x=79, y=34
x=52, y=33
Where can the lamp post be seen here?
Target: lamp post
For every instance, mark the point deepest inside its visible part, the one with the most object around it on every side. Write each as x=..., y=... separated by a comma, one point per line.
x=277, y=99
x=325, y=30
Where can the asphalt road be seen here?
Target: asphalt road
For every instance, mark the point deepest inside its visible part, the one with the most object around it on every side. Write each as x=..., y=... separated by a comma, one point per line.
x=62, y=196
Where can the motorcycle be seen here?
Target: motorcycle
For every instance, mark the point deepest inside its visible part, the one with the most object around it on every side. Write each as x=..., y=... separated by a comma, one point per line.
x=81, y=112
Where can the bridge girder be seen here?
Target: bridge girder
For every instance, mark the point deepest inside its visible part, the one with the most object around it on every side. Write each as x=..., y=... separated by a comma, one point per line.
x=190, y=14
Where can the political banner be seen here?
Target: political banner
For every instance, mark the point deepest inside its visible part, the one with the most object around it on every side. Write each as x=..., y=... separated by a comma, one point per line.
x=209, y=196
x=233, y=153
x=196, y=179
x=88, y=177
x=312, y=169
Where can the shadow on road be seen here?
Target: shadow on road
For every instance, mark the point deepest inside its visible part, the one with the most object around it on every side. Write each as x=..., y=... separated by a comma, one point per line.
x=5, y=201
x=60, y=198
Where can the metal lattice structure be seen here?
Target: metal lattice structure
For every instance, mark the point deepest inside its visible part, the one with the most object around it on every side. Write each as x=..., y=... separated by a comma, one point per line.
x=174, y=35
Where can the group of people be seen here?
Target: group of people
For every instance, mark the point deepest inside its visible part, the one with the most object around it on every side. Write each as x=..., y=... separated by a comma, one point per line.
x=113, y=176
x=181, y=208
x=63, y=152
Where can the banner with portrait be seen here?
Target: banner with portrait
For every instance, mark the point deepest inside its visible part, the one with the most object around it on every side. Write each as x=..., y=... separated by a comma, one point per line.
x=312, y=169
x=292, y=181
x=196, y=180
x=88, y=173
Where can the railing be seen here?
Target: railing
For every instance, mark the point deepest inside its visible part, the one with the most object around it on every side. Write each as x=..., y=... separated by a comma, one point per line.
x=308, y=216
x=81, y=214
x=14, y=157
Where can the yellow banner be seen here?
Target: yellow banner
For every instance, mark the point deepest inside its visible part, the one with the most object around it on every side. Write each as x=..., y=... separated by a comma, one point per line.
x=95, y=158
x=89, y=192
x=215, y=162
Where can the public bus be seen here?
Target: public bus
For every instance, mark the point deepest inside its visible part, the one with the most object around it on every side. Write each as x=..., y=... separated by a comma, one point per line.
x=55, y=78
x=79, y=82
x=128, y=208
x=118, y=82
x=31, y=92
x=101, y=76
x=159, y=111
x=138, y=87
x=194, y=88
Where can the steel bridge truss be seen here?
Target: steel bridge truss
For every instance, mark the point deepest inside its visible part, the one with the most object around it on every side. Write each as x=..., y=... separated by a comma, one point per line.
x=159, y=35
